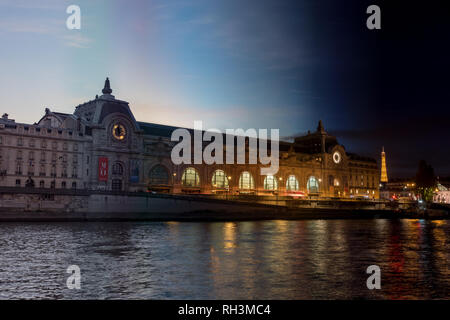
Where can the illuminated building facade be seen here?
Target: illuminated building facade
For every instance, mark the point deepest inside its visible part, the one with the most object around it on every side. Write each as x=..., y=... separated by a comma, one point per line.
x=101, y=146
x=399, y=189
x=442, y=194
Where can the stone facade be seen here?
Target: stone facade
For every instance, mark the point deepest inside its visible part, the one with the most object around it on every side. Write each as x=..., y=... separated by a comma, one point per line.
x=101, y=146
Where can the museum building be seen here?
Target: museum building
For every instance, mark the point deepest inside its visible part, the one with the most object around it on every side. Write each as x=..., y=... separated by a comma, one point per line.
x=101, y=146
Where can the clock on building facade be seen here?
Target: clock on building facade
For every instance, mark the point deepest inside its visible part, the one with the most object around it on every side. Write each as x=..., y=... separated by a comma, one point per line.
x=336, y=157
x=119, y=132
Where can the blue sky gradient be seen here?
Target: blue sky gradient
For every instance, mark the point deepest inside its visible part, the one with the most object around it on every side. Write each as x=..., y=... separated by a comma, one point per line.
x=175, y=62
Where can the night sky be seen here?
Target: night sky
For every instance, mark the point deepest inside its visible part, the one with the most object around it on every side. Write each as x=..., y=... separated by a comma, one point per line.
x=386, y=87
x=249, y=64
x=407, y=106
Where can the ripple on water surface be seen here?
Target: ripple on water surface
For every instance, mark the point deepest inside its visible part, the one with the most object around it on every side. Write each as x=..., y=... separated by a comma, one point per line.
x=312, y=259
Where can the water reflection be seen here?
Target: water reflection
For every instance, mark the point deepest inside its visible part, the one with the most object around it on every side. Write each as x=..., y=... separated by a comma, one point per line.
x=229, y=236
x=234, y=260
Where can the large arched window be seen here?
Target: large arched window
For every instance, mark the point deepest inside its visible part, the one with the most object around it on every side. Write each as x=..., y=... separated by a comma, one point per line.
x=291, y=183
x=312, y=185
x=190, y=178
x=246, y=181
x=270, y=183
x=159, y=175
x=117, y=168
x=219, y=180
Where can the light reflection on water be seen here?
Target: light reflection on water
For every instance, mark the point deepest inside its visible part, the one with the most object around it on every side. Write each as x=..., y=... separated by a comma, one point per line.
x=312, y=259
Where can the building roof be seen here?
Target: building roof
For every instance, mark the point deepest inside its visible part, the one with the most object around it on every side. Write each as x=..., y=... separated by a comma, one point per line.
x=441, y=187
x=155, y=129
x=356, y=157
x=309, y=143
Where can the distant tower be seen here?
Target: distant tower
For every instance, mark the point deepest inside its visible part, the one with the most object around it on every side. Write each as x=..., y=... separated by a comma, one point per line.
x=384, y=177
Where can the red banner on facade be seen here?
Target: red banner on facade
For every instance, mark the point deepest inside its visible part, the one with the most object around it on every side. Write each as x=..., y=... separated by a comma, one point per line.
x=102, y=169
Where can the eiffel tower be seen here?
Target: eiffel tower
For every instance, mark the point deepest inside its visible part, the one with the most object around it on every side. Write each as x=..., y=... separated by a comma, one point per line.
x=384, y=177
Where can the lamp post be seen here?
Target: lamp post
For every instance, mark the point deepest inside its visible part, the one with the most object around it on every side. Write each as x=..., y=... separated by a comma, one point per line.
x=279, y=185
x=173, y=181
x=229, y=186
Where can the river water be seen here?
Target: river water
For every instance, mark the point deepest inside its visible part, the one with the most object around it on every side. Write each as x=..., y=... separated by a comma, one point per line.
x=312, y=259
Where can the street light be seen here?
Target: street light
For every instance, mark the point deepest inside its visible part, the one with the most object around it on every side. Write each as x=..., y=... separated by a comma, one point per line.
x=229, y=187
x=173, y=180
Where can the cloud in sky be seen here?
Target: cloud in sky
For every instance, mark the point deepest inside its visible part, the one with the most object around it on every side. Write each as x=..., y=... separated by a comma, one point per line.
x=77, y=40
x=39, y=4
x=44, y=18
x=34, y=24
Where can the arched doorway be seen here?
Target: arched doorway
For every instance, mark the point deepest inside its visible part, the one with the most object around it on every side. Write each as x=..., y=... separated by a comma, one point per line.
x=117, y=173
x=116, y=185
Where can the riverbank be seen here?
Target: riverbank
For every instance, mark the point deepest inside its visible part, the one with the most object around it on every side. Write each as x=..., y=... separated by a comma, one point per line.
x=67, y=205
x=211, y=215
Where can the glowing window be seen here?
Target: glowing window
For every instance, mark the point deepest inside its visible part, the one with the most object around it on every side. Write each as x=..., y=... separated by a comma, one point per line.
x=190, y=178
x=292, y=183
x=313, y=185
x=219, y=180
x=270, y=183
x=246, y=181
